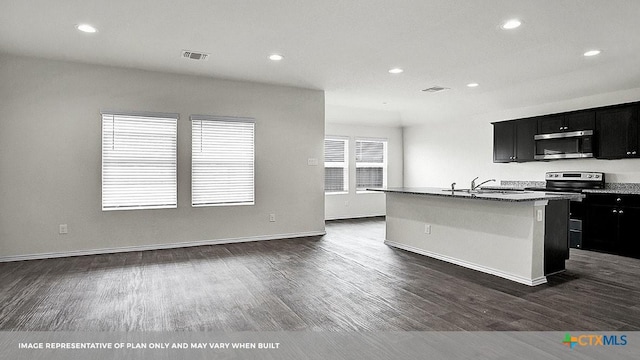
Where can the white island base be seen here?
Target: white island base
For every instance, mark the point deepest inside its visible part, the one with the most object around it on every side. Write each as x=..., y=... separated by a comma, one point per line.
x=502, y=238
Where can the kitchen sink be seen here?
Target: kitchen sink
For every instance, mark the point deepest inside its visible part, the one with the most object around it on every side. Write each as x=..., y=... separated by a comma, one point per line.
x=488, y=191
x=496, y=191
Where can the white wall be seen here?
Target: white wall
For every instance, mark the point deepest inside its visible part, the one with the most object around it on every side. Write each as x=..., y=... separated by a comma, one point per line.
x=50, y=157
x=353, y=205
x=441, y=153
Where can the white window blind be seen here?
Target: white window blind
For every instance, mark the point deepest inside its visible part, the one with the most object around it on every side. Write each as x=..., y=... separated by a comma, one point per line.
x=336, y=169
x=371, y=164
x=139, y=161
x=222, y=161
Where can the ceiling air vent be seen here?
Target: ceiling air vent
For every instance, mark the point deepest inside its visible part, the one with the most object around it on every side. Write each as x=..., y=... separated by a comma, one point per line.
x=436, y=88
x=194, y=55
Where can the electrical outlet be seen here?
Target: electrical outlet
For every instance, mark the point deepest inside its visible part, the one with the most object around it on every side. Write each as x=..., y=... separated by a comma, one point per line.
x=427, y=228
x=346, y=203
x=62, y=229
x=312, y=162
x=272, y=217
x=539, y=214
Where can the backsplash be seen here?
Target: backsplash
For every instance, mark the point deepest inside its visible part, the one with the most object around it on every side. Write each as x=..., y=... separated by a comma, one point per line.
x=521, y=184
x=623, y=187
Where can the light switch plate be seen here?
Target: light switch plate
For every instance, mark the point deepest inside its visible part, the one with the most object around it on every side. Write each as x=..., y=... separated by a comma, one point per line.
x=312, y=162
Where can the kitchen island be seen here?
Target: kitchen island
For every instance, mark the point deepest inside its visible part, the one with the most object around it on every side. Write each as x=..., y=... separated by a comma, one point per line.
x=517, y=235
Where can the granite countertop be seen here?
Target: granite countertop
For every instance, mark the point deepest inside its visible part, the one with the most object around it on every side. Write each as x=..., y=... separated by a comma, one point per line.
x=610, y=188
x=612, y=191
x=484, y=194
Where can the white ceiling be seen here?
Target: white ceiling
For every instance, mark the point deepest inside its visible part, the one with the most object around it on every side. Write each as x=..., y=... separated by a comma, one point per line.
x=346, y=47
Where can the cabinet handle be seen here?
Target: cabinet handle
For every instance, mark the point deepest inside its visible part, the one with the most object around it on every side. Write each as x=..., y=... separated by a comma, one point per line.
x=618, y=199
x=615, y=211
x=561, y=128
x=628, y=152
x=633, y=153
x=621, y=212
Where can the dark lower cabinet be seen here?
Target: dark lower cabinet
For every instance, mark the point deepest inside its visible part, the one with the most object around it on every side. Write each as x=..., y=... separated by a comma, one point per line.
x=628, y=231
x=601, y=230
x=612, y=224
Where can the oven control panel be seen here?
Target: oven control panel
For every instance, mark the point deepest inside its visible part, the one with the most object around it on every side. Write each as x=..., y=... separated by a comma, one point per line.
x=575, y=176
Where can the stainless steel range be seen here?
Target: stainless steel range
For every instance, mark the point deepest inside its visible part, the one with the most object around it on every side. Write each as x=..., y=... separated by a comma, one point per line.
x=573, y=181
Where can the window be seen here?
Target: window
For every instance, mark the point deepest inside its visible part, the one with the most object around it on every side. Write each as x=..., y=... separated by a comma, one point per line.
x=371, y=164
x=222, y=160
x=139, y=161
x=336, y=165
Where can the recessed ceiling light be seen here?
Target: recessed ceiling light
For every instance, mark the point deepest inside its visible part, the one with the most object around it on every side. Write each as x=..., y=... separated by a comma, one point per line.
x=472, y=84
x=511, y=24
x=592, y=53
x=276, y=57
x=395, y=70
x=86, y=28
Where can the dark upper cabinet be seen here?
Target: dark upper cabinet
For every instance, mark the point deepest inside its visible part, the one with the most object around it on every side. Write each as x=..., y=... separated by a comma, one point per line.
x=575, y=121
x=551, y=124
x=581, y=120
x=513, y=140
x=616, y=136
x=503, y=141
x=617, y=132
x=525, y=147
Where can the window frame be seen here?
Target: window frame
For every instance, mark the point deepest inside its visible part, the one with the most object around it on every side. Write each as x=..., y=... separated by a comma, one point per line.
x=345, y=164
x=383, y=165
x=223, y=119
x=174, y=162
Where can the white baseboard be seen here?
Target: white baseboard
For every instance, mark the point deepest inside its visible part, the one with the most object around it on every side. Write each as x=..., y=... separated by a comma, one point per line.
x=157, y=246
x=473, y=266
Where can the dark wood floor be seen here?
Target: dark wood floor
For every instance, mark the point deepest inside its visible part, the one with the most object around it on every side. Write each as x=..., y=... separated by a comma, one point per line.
x=346, y=280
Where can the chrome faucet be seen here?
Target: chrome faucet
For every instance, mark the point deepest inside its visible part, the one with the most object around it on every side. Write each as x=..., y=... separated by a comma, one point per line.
x=474, y=186
x=453, y=186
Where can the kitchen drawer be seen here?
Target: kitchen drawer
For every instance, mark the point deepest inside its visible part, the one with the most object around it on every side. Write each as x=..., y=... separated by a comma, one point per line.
x=613, y=199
